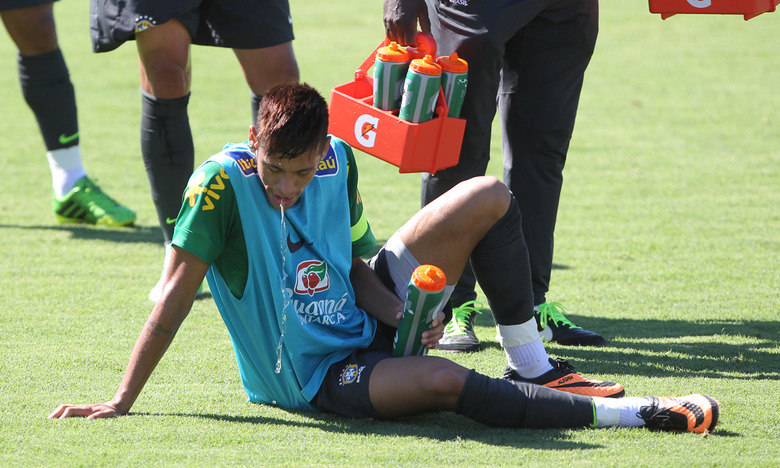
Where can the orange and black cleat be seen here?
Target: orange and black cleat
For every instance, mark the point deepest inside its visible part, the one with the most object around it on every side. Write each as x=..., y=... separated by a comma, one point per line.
x=692, y=413
x=563, y=377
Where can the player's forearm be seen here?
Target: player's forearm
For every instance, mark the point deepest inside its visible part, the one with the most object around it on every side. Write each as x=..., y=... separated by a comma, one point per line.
x=372, y=296
x=157, y=334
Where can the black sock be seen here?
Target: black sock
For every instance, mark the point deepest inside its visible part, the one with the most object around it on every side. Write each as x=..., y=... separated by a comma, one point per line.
x=255, y=106
x=503, y=403
x=48, y=91
x=167, y=149
x=500, y=263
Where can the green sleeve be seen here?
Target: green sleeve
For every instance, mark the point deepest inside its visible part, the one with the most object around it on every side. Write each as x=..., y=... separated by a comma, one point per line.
x=363, y=240
x=208, y=213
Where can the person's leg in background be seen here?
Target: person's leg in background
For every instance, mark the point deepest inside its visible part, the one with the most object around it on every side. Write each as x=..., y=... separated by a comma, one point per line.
x=541, y=80
x=166, y=138
x=49, y=93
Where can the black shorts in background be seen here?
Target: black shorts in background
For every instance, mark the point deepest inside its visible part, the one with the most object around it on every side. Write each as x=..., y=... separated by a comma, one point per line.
x=14, y=4
x=237, y=24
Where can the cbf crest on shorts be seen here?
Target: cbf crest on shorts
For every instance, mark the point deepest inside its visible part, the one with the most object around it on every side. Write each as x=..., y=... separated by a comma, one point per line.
x=350, y=374
x=144, y=22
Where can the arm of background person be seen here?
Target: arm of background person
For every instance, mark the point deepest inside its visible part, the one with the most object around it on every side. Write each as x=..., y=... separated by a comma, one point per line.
x=401, y=16
x=373, y=296
x=185, y=274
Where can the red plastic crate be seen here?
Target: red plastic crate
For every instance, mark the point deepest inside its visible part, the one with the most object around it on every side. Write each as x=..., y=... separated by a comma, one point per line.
x=747, y=8
x=412, y=147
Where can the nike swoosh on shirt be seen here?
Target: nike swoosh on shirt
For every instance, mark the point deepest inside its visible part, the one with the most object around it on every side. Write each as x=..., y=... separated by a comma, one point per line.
x=170, y=220
x=64, y=140
x=296, y=246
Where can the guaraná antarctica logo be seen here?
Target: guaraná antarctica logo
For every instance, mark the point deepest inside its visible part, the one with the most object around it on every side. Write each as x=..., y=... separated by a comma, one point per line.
x=311, y=277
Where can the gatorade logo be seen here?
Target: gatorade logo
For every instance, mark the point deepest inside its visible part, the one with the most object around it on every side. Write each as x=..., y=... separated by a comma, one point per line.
x=700, y=3
x=365, y=130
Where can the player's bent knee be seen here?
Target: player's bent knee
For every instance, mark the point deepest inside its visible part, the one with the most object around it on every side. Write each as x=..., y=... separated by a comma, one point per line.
x=491, y=195
x=446, y=381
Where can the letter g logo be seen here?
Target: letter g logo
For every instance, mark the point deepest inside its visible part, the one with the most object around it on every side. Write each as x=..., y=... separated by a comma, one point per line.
x=365, y=130
x=700, y=3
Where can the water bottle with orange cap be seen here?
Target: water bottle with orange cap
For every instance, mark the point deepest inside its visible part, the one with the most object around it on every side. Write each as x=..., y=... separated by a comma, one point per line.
x=454, y=78
x=421, y=89
x=390, y=66
x=423, y=303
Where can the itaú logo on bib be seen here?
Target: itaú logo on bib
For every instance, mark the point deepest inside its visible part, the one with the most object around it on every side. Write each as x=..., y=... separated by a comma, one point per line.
x=311, y=277
x=365, y=130
x=700, y=3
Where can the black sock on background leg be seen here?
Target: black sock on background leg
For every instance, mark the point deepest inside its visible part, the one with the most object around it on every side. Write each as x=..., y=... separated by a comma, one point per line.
x=168, y=153
x=500, y=263
x=48, y=91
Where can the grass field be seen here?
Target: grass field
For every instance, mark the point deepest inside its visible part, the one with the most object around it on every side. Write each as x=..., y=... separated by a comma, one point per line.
x=667, y=244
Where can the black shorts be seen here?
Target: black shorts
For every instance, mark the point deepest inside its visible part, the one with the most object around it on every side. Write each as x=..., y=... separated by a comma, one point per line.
x=344, y=389
x=237, y=24
x=14, y=4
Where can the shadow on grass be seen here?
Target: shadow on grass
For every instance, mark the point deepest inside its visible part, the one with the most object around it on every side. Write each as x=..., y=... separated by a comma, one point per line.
x=132, y=234
x=203, y=296
x=733, y=349
x=441, y=427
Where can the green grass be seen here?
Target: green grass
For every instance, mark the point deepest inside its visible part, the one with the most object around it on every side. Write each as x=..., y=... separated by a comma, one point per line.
x=667, y=244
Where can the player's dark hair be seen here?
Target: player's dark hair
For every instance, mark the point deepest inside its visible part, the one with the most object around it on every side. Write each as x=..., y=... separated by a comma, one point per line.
x=292, y=119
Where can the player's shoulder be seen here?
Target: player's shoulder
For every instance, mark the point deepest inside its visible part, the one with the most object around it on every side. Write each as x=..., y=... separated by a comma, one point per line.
x=209, y=183
x=241, y=154
x=336, y=160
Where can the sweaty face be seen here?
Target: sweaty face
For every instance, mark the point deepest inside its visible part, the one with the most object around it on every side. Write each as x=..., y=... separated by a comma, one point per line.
x=285, y=179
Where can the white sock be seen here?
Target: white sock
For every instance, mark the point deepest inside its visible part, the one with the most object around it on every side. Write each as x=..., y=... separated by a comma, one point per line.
x=620, y=412
x=523, y=348
x=66, y=169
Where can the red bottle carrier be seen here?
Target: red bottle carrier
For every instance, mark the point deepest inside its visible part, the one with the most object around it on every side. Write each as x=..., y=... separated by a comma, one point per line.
x=747, y=8
x=412, y=147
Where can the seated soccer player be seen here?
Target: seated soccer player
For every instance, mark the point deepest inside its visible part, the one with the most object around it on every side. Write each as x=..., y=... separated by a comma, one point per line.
x=277, y=227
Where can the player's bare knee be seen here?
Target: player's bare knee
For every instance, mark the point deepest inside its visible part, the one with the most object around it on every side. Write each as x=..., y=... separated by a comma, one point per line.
x=167, y=79
x=491, y=194
x=34, y=33
x=446, y=380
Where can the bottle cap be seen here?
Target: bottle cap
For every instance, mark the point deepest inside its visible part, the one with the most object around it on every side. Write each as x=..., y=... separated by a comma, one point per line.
x=453, y=63
x=429, y=278
x=426, y=66
x=392, y=53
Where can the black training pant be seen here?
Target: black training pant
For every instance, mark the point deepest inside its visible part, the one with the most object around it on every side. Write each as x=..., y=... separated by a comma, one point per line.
x=527, y=58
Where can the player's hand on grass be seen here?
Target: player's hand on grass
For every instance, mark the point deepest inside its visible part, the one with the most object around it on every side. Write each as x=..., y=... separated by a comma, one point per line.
x=102, y=410
x=401, y=17
x=431, y=337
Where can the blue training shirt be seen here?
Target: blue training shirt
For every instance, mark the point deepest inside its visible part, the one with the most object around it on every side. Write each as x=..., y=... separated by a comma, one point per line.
x=321, y=322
